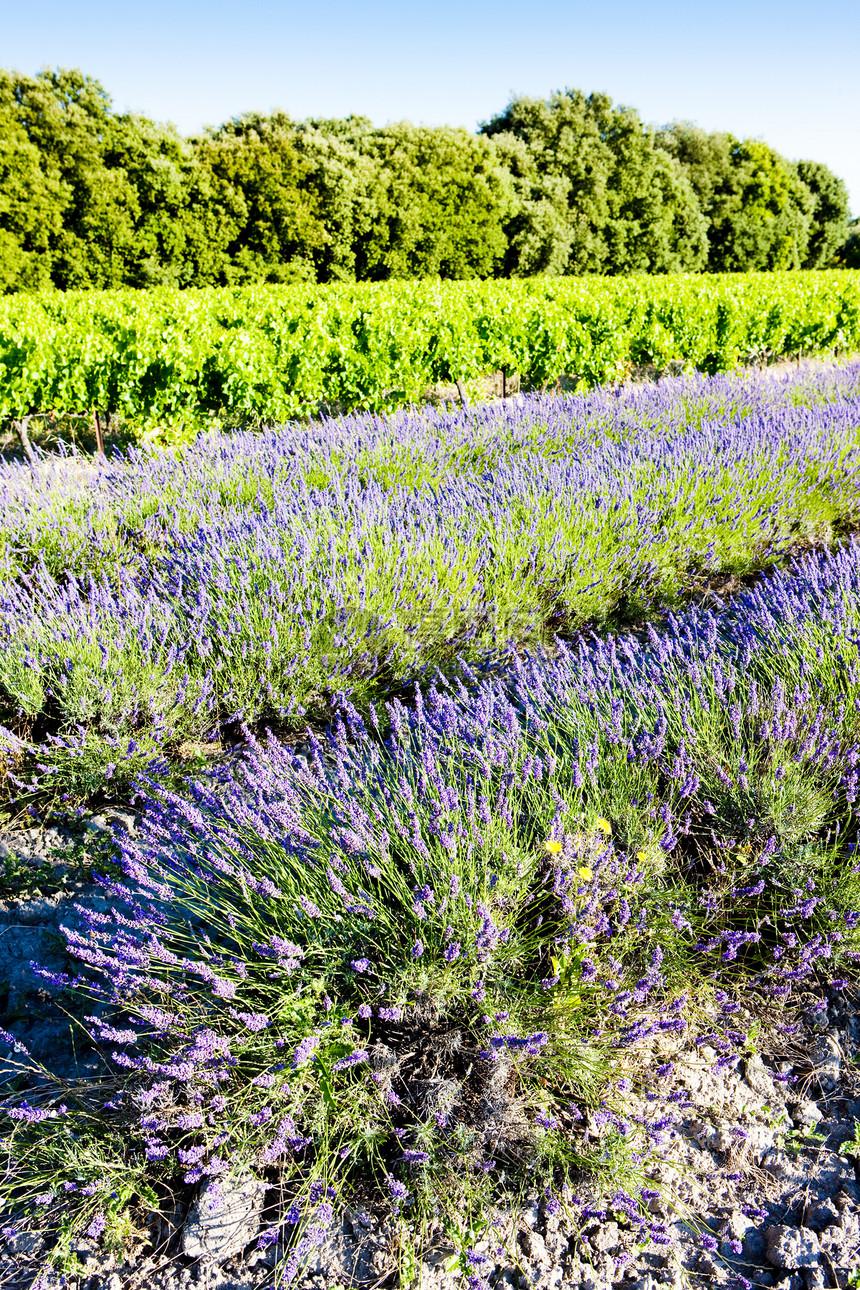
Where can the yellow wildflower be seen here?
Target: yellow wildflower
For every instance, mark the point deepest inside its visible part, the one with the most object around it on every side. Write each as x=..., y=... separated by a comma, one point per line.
x=640, y=855
x=585, y=874
x=604, y=825
x=552, y=846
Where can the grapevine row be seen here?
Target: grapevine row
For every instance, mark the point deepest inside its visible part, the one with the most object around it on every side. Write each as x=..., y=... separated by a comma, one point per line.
x=169, y=362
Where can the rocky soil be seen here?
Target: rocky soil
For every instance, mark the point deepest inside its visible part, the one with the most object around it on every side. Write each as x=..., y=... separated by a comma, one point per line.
x=48, y=871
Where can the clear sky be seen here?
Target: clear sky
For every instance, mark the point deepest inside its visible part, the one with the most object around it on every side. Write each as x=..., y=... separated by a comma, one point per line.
x=787, y=71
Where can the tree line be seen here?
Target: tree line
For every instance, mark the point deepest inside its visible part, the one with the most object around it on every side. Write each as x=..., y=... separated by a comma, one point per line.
x=574, y=184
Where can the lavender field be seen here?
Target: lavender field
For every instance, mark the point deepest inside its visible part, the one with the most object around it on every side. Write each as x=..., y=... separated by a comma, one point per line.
x=170, y=598
x=547, y=732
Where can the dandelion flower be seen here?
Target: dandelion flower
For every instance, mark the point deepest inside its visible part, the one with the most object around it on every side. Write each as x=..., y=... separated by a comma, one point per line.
x=552, y=846
x=585, y=874
x=604, y=825
x=640, y=855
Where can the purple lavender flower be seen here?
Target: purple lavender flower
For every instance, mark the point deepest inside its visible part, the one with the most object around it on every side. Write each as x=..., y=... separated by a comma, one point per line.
x=255, y=1021
x=97, y=1226
x=14, y=1044
x=398, y=1190
x=190, y=1155
x=192, y=1121
x=223, y=989
x=33, y=1114
x=355, y=1058
x=305, y=1051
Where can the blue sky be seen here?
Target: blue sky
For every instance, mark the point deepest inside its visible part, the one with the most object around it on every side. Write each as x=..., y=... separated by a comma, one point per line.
x=781, y=70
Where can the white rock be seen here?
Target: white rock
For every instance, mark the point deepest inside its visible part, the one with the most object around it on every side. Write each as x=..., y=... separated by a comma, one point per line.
x=533, y=1244
x=827, y=1062
x=708, y=1135
x=792, y=1247
x=607, y=1238
x=592, y=1280
x=531, y=1212
x=760, y=1139
x=29, y=1243
x=759, y=1080
x=790, y=1171
x=738, y=1224
x=223, y=1220
x=351, y=1254
x=833, y=1171
x=805, y=1113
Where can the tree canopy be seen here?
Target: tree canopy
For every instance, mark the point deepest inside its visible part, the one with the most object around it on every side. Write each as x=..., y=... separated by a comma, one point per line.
x=572, y=184
x=622, y=203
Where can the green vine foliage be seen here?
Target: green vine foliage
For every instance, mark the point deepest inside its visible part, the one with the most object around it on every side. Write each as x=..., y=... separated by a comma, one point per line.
x=167, y=363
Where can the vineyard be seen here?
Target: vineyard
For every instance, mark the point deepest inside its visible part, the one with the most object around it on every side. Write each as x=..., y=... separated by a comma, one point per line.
x=164, y=364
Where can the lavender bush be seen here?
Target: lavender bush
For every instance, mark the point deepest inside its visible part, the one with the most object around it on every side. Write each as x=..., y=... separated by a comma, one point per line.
x=162, y=600
x=412, y=969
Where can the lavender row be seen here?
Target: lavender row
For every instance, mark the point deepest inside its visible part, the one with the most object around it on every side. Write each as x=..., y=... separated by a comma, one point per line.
x=153, y=601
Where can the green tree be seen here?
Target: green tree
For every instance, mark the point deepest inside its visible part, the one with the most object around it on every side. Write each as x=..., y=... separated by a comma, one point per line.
x=270, y=218
x=626, y=208
x=655, y=223
x=33, y=199
x=829, y=215
x=538, y=232
x=759, y=211
x=563, y=140
x=67, y=117
x=93, y=199
x=347, y=187
x=437, y=204
x=180, y=238
x=762, y=217
x=570, y=184
x=848, y=256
